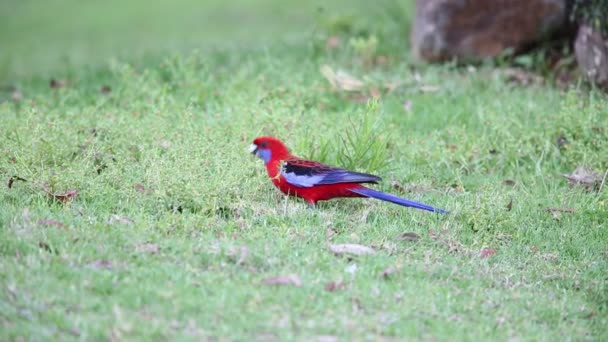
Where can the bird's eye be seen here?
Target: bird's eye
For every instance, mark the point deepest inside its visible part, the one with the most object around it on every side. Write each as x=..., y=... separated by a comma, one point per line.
x=263, y=144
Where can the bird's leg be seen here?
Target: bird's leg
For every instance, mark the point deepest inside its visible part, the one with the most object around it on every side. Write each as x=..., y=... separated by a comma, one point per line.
x=311, y=205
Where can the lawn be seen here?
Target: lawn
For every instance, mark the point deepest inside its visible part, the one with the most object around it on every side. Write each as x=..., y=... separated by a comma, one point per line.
x=131, y=210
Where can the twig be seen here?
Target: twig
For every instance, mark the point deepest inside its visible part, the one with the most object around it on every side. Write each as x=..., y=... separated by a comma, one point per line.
x=603, y=182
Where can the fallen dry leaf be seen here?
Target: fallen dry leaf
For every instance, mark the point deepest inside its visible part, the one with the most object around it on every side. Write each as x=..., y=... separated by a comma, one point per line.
x=583, y=176
x=13, y=179
x=291, y=279
x=147, y=247
x=557, y=212
x=350, y=248
x=64, y=196
x=508, y=182
x=341, y=80
x=561, y=210
x=45, y=222
x=101, y=264
x=487, y=252
x=409, y=236
x=334, y=286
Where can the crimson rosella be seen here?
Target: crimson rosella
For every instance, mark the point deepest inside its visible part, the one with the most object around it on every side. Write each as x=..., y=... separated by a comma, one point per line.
x=313, y=181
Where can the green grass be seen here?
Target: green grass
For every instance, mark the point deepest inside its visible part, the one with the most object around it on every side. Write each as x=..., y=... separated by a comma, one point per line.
x=165, y=151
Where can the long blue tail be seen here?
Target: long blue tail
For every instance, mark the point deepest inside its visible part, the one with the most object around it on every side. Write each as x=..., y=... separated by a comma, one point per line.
x=397, y=200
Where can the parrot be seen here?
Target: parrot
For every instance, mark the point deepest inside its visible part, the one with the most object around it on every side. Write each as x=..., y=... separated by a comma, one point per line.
x=313, y=181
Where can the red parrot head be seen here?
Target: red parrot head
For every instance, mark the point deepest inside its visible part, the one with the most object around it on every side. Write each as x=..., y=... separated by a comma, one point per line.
x=269, y=148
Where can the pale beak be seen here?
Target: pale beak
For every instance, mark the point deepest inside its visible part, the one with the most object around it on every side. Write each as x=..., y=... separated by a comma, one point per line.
x=253, y=148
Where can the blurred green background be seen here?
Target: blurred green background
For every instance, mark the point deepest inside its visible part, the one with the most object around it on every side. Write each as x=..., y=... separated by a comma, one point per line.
x=39, y=37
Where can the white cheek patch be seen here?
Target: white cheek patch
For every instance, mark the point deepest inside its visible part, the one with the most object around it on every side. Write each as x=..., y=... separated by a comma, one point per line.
x=252, y=148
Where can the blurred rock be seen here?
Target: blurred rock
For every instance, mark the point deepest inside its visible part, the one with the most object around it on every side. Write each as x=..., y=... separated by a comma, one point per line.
x=472, y=29
x=591, y=51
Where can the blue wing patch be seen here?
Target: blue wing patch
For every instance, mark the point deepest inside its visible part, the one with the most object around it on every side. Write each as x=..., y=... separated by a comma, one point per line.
x=306, y=174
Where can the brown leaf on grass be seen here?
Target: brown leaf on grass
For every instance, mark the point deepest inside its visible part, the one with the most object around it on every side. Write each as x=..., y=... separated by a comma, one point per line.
x=341, y=80
x=584, y=177
x=117, y=219
x=46, y=222
x=64, y=196
x=487, y=252
x=335, y=286
x=101, y=264
x=56, y=84
x=409, y=236
x=508, y=182
x=105, y=90
x=557, y=212
x=291, y=279
x=510, y=205
x=350, y=248
x=561, y=210
x=13, y=179
x=147, y=247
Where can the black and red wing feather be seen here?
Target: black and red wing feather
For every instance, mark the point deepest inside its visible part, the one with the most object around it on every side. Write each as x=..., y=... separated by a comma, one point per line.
x=306, y=173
